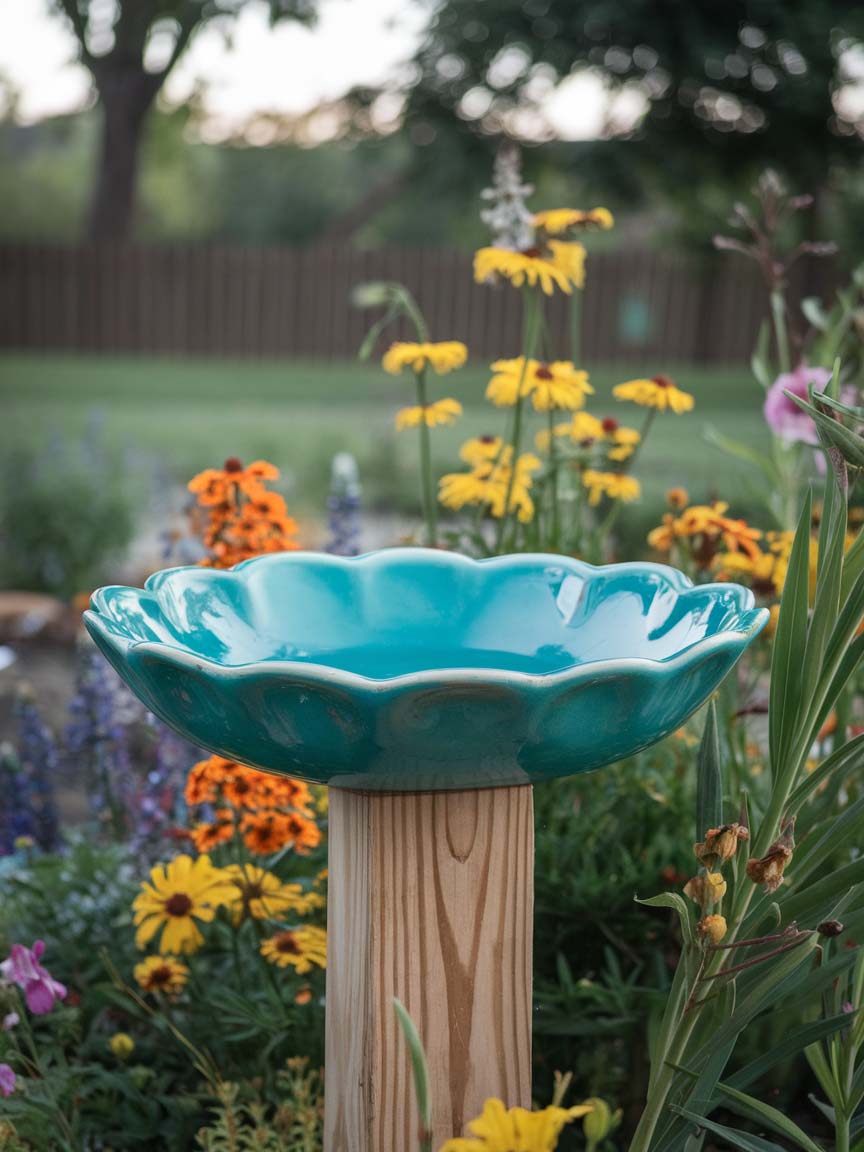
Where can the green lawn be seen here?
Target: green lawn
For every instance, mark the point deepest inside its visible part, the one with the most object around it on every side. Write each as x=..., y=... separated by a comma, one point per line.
x=191, y=414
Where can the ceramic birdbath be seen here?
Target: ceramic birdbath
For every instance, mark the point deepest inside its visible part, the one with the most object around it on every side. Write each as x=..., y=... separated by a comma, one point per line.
x=430, y=692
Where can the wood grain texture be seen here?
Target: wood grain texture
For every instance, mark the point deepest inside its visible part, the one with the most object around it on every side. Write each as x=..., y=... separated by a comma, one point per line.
x=430, y=900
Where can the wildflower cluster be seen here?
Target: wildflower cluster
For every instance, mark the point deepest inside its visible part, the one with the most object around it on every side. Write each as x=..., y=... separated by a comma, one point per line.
x=236, y=516
x=27, y=989
x=187, y=893
x=702, y=536
x=566, y=495
x=269, y=813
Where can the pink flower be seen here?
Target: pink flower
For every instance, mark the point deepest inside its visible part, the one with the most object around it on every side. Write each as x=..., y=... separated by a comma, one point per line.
x=784, y=416
x=7, y=1080
x=10, y=1020
x=39, y=987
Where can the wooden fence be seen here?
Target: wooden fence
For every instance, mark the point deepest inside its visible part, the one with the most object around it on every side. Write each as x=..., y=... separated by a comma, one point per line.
x=646, y=307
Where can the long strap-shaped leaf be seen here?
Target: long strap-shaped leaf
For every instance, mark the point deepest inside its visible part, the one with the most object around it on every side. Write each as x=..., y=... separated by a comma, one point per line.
x=832, y=538
x=754, y=1109
x=789, y=644
x=843, y=759
x=709, y=777
x=734, y=1136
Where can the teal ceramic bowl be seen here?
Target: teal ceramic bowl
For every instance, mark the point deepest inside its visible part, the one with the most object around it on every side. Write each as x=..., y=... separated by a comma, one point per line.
x=411, y=669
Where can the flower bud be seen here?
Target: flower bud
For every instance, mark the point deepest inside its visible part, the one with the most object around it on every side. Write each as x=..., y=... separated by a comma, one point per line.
x=769, y=869
x=712, y=928
x=373, y=294
x=720, y=844
x=122, y=1045
x=706, y=888
x=600, y=1121
x=830, y=928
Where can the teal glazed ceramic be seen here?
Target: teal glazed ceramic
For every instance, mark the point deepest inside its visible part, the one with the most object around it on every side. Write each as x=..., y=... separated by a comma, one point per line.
x=411, y=669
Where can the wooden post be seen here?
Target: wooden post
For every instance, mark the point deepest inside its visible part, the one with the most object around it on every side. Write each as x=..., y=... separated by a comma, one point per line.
x=430, y=900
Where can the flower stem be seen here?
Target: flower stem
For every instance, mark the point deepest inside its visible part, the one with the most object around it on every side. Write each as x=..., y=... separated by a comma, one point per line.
x=576, y=326
x=554, y=530
x=430, y=511
x=614, y=512
x=533, y=316
x=781, y=334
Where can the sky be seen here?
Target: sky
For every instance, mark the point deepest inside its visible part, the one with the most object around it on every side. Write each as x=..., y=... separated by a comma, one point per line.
x=287, y=69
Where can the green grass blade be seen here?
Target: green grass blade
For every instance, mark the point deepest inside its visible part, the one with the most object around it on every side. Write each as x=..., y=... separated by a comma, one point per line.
x=789, y=644
x=733, y=1136
x=709, y=777
x=754, y=1109
x=788, y=1047
x=420, y=1071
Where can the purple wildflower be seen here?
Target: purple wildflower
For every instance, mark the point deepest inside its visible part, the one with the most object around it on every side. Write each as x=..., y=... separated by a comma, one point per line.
x=16, y=818
x=39, y=760
x=38, y=985
x=7, y=1080
x=10, y=1020
x=343, y=507
x=783, y=415
x=97, y=738
x=160, y=802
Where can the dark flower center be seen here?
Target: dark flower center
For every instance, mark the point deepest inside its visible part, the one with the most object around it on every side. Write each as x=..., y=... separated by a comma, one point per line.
x=286, y=942
x=161, y=975
x=544, y=373
x=610, y=424
x=178, y=905
x=232, y=464
x=662, y=382
x=531, y=253
x=487, y=439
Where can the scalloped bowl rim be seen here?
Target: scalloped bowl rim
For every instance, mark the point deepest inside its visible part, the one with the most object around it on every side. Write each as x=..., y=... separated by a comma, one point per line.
x=310, y=671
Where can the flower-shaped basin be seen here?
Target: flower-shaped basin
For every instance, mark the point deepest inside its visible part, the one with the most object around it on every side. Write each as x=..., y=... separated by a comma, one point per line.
x=411, y=669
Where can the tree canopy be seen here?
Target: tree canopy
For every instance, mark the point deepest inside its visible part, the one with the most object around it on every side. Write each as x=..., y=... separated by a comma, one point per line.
x=130, y=49
x=726, y=87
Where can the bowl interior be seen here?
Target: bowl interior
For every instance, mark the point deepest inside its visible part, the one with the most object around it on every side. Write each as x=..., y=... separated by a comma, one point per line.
x=405, y=614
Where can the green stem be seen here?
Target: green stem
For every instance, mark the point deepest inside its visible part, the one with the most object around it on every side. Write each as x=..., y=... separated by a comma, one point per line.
x=555, y=526
x=430, y=509
x=781, y=334
x=841, y=1131
x=576, y=326
x=533, y=319
x=659, y=1093
x=615, y=511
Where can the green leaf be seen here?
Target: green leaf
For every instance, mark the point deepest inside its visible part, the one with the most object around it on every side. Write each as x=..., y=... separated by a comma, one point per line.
x=419, y=1069
x=853, y=565
x=760, y=360
x=678, y=904
x=812, y=308
x=789, y=644
x=811, y=903
x=847, y=756
x=743, y=452
x=789, y=1046
x=709, y=777
x=734, y=1136
x=754, y=1109
x=851, y=659
x=845, y=828
x=826, y=605
x=850, y=445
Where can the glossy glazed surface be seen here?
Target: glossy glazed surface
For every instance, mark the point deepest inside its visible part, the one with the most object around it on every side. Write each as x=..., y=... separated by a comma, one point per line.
x=412, y=669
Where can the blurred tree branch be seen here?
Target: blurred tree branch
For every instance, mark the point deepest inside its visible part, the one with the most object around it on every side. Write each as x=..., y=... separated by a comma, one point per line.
x=127, y=85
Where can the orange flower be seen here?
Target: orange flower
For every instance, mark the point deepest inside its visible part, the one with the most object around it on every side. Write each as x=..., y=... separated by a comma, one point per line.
x=206, y=836
x=265, y=832
x=305, y=833
x=236, y=516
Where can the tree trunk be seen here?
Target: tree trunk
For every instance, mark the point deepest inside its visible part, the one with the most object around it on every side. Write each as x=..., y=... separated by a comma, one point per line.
x=126, y=95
